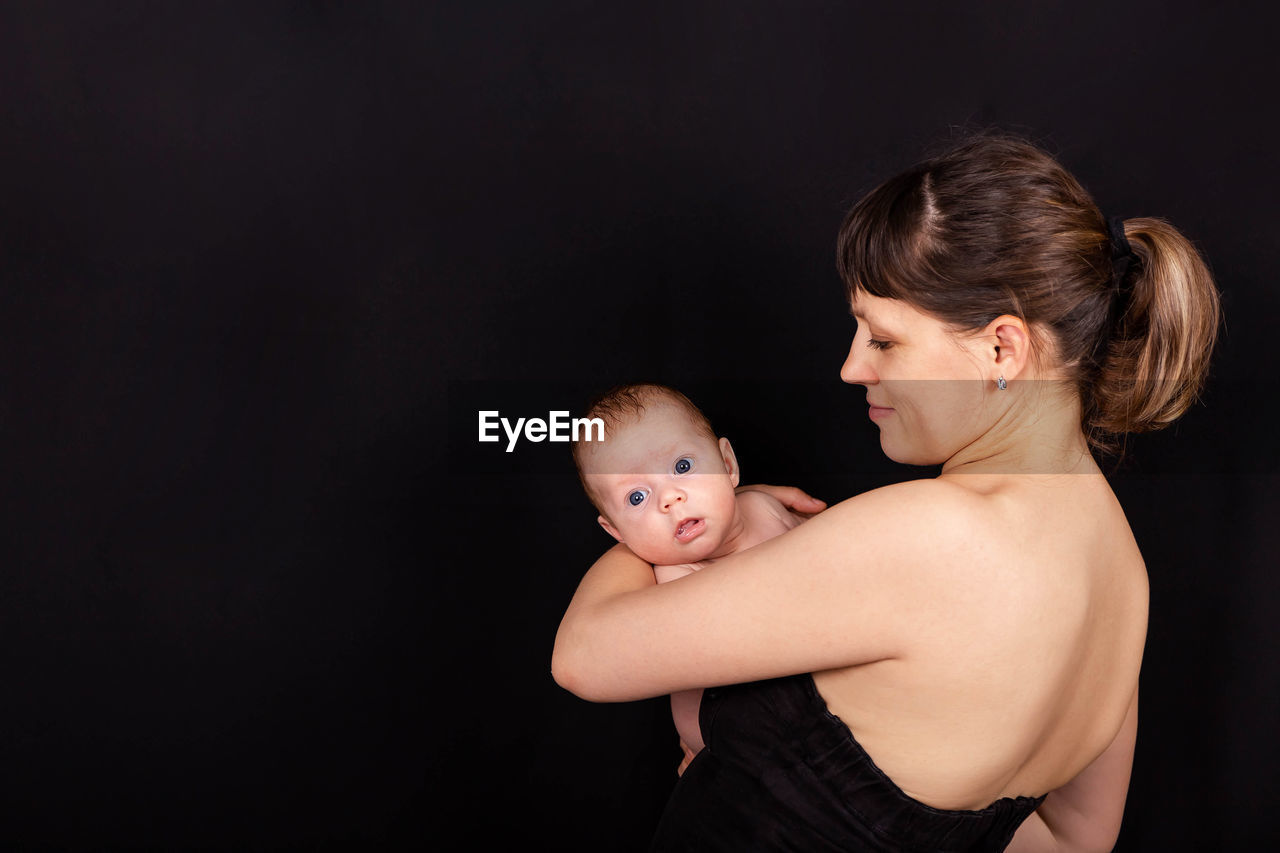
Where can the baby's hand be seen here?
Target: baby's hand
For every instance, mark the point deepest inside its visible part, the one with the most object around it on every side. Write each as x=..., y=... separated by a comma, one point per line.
x=796, y=500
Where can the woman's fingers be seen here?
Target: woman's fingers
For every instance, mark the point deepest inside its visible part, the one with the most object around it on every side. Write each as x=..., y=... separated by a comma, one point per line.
x=688, y=756
x=790, y=497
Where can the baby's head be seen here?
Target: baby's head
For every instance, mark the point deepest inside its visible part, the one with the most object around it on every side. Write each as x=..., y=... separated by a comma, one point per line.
x=662, y=481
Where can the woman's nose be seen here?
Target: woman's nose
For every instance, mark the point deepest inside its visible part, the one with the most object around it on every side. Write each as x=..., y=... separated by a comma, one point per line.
x=856, y=370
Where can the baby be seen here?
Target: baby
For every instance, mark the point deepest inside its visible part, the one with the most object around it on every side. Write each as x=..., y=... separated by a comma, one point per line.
x=664, y=486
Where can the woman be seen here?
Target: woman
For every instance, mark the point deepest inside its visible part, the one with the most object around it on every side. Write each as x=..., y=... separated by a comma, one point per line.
x=968, y=647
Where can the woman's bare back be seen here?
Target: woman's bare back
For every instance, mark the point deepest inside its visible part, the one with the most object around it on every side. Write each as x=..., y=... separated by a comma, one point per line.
x=1028, y=666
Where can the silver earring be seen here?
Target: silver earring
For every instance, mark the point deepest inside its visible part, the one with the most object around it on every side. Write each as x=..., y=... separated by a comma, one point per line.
x=1001, y=384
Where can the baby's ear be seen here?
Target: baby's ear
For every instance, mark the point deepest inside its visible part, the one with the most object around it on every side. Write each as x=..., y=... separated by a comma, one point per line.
x=730, y=460
x=609, y=528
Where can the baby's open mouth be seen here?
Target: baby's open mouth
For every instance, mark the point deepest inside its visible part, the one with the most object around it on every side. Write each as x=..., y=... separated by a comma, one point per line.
x=689, y=529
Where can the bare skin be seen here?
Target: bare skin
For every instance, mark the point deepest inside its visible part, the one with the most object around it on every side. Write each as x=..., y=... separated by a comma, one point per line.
x=652, y=476
x=760, y=517
x=980, y=633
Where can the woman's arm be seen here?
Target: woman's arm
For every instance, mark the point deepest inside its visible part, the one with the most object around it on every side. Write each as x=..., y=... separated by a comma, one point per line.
x=617, y=572
x=1084, y=815
x=840, y=589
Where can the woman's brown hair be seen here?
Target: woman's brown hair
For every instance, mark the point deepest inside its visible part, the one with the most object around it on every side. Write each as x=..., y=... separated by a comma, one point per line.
x=997, y=226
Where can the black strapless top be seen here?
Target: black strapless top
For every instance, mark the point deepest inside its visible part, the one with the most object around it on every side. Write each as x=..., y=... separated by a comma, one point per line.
x=781, y=772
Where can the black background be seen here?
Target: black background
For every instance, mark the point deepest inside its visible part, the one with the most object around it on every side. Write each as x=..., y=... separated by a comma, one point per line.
x=263, y=263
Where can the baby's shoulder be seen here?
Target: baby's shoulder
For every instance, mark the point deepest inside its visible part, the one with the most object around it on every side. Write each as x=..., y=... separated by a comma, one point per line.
x=766, y=511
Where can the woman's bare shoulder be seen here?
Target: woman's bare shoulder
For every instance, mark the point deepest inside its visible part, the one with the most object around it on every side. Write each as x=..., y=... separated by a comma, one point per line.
x=938, y=509
x=921, y=534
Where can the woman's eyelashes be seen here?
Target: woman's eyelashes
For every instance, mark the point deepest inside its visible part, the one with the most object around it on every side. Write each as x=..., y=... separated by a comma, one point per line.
x=873, y=342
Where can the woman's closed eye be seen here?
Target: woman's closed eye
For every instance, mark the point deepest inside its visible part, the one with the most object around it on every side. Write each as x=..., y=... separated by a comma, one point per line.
x=636, y=497
x=683, y=465
x=874, y=344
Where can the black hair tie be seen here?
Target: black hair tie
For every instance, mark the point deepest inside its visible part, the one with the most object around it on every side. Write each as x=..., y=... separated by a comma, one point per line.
x=1122, y=259
x=1122, y=256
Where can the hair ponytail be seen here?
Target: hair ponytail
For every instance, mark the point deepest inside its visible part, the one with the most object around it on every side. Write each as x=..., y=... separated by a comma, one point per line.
x=1156, y=359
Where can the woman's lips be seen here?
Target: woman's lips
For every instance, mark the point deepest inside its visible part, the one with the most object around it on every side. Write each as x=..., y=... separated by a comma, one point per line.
x=878, y=412
x=690, y=529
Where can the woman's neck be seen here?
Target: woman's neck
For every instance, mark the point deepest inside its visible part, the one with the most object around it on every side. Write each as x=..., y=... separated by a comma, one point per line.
x=1038, y=434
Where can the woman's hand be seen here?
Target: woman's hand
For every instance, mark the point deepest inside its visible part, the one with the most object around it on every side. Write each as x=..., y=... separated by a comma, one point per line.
x=688, y=756
x=794, y=499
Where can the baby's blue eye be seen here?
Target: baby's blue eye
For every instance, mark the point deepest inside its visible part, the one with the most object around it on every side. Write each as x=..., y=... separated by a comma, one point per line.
x=635, y=498
x=683, y=465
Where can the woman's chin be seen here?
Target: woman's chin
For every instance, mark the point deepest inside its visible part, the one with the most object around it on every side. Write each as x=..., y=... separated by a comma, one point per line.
x=894, y=449
x=906, y=455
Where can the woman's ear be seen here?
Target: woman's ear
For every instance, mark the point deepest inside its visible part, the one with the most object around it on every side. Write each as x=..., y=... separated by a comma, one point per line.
x=730, y=460
x=1009, y=347
x=609, y=528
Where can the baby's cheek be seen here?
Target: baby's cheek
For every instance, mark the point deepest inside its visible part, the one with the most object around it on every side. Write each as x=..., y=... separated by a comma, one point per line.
x=727, y=504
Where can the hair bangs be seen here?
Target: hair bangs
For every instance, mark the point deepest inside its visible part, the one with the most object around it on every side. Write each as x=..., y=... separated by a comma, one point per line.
x=882, y=247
